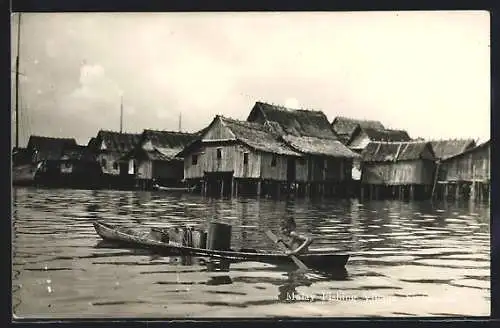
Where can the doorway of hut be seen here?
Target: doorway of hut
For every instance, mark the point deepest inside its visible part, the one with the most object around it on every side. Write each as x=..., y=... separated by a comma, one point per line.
x=218, y=183
x=126, y=179
x=290, y=170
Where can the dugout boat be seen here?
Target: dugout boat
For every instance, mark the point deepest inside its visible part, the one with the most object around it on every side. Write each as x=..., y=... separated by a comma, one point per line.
x=321, y=259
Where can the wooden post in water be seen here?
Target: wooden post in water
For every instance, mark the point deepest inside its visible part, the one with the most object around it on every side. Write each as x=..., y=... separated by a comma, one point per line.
x=457, y=191
x=446, y=191
x=412, y=192
x=472, y=194
x=259, y=187
x=222, y=187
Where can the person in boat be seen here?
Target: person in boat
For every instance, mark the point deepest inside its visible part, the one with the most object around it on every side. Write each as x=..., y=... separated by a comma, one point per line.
x=296, y=243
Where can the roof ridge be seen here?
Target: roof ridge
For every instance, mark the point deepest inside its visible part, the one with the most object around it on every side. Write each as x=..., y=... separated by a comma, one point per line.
x=166, y=131
x=45, y=137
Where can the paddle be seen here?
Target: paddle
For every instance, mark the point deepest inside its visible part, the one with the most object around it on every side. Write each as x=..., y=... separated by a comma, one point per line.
x=283, y=246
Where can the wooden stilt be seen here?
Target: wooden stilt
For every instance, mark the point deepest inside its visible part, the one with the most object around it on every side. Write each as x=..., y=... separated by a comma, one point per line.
x=278, y=189
x=222, y=188
x=412, y=192
x=446, y=190
x=258, y=188
x=236, y=184
x=457, y=191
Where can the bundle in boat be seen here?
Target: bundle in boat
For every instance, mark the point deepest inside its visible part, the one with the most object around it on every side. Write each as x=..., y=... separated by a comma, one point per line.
x=180, y=236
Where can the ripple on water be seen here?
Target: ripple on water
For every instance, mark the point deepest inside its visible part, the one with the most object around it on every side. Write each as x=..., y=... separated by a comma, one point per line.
x=402, y=251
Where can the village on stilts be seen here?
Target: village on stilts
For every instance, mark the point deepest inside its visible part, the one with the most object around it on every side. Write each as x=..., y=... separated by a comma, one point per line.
x=276, y=152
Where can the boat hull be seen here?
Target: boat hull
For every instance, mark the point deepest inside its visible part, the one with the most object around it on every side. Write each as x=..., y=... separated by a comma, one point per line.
x=173, y=189
x=317, y=259
x=23, y=175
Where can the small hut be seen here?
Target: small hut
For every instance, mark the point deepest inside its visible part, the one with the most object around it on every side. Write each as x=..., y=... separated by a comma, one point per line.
x=466, y=175
x=233, y=157
x=363, y=135
x=109, y=148
x=344, y=127
x=400, y=170
x=325, y=168
x=154, y=160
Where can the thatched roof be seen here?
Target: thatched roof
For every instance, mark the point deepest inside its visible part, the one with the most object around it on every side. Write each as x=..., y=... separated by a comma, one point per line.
x=257, y=136
x=396, y=151
x=345, y=126
x=167, y=139
x=444, y=149
x=157, y=154
x=44, y=143
x=386, y=135
x=164, y=145
x=378, y=135
x=472, y=149
x=50, y=148
x=319, y=146
x=285, y=121
x=73, y=152
x=116, y=141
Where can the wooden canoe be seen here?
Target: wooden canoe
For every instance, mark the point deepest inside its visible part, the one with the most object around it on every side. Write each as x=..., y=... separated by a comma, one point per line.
x=317, y=259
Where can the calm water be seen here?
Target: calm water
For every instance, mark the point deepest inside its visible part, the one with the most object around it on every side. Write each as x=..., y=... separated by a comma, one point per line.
x=407, y=259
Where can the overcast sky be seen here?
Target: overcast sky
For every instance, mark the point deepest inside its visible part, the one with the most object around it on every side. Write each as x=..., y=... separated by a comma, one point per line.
x=426, y=72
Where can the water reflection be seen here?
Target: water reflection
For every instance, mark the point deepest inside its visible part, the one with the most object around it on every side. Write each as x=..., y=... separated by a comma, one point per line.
x=424, y=255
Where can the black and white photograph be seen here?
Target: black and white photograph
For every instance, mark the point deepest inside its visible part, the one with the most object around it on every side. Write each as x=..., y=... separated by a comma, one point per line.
x=250, y=164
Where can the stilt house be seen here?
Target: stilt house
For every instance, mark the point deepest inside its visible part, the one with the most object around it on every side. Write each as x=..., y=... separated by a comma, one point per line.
x=234, y=157
x=154, y=160
x=466, y=175
x=397, y=170
x=325, y=168
x=344, y=127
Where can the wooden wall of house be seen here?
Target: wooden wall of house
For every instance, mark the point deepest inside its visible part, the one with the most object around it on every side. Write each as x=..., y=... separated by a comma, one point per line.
x=338, y=169
x=144, y=170
x=316, y=168
x=111, y=165
x=319, y=169
x=168, y=170
x=232, y=159
x=474, y=165
x=398, y=173
x=302, y=169
x=218, y=131
x=276, y=172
